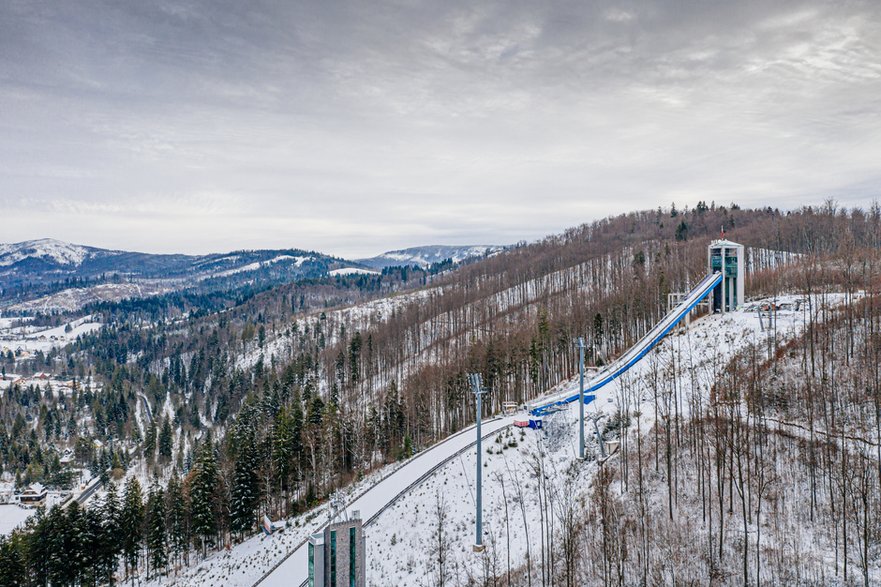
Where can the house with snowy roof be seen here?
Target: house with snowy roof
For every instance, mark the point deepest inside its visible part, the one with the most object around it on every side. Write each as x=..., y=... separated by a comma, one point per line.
x=34, y=496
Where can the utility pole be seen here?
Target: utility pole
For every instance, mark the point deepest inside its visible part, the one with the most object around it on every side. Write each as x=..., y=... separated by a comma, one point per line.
x=474, y=378
x=580, y=345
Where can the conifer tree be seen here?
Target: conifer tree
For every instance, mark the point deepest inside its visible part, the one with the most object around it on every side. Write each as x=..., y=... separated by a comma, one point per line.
x=12, y=564
x=110, y=545
x=150, y=441
x=74, y=545
x=178, y=524
x=53, y=539
x=166, y=439
x=132, y=525
x=157, y=541
x=94, y=543
x=246, y=488
x=281, y=450
x=204, y=497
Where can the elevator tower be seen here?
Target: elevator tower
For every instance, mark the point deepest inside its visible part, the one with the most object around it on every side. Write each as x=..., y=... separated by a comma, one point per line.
x=728, y=258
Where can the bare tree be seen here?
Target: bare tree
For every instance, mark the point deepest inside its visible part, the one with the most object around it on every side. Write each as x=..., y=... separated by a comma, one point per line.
x=440, y=540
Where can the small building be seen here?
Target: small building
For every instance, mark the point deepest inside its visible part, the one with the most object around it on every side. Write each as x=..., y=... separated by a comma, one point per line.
x=34, y=496
x=336, y=555
x=67, y=457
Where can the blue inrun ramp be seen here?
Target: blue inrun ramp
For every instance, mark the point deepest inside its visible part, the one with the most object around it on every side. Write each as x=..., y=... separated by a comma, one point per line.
x=635, y=353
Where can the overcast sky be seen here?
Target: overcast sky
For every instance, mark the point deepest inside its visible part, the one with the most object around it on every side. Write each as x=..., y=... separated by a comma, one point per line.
x=357, y=127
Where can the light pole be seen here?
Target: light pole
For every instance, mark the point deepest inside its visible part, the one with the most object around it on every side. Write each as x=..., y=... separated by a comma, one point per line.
x=580, y=345
x=474, y=378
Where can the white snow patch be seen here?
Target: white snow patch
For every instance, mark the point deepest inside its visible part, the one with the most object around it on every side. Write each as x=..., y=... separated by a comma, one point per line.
x=353, y=271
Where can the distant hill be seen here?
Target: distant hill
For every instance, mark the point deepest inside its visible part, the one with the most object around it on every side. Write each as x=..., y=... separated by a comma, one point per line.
x=427, y=255
x=49, y=274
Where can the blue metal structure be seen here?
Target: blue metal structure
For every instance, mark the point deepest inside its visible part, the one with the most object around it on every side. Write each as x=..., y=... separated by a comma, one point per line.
x=641, y=348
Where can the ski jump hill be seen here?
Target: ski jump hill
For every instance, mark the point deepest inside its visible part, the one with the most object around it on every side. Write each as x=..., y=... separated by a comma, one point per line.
x=292, y=571
x=638, y=350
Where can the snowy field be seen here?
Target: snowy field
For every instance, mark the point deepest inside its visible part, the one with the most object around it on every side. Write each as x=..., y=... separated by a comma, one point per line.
x=32, y=338
x=11, y=516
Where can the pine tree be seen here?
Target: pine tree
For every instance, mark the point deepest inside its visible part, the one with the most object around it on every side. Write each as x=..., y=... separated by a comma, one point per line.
x=109, y=545
x=54, y=538
x=166, y=439
x=245, y=489
x=178, y=524
x=203, y=497
x=93, y=540
x=12, y=564
x=132, y=525
x=74, y=545
x=281, y=450
x=157, y=541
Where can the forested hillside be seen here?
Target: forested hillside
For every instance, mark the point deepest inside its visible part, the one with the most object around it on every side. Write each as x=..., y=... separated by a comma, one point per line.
x=270, y=405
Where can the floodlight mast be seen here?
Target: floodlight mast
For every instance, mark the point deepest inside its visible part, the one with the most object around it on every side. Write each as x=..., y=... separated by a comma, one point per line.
x=580, y=345
x=476, y=384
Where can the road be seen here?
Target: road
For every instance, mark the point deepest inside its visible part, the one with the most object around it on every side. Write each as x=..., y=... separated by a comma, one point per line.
x=292, y=571
x=146, y=408
x=94, y=486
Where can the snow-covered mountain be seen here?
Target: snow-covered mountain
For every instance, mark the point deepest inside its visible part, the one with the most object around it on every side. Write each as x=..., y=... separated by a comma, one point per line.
x=48, y=251
x=427, y=255
x=51, y=275
x=54, y=275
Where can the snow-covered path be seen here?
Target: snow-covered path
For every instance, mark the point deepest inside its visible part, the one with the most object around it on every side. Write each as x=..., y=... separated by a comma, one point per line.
x=293, y=571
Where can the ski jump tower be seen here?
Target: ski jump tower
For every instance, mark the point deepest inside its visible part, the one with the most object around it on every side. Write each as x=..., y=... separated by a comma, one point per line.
x=727, y=258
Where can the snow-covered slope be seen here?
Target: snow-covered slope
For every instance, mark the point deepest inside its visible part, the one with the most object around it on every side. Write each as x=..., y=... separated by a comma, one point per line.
x=427, y=255
x=399, y=538
x=48, y=250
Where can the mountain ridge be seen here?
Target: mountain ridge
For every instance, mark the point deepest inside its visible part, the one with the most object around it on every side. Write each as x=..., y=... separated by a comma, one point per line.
x=49, y=275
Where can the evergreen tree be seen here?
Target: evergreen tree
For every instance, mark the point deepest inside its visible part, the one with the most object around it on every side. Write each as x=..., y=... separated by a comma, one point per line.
x=178, y=524
x=246, y=487
x=281, y=450
x=132, y=525
x=150, y=441
x=12, y=562
x=93, y=541
x=37, y=547
x=110, y=545
x=157, y=541
x=54, y=538
x=166, y=439
x=682, y=231
x=203, y=497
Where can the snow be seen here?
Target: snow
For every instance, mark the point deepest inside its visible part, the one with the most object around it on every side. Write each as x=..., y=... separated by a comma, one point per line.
x=297, y=262
x=357, y=317
x=294, y=570
x=397, y=503
x=48, y=249
x=426, y=255
x=352, y=271
x=72, y=299
x=32, y=339
x=397, y=542
x=11, y=516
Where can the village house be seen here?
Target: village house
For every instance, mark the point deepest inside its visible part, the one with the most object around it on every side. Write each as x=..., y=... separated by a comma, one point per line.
x=34, y=496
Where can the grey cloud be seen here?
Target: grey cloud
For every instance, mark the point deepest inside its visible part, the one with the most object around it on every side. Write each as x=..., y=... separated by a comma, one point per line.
x=355, y=127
